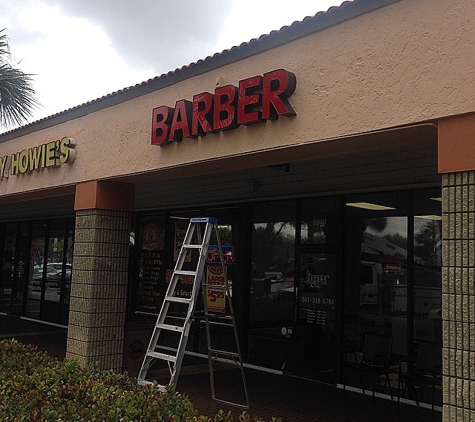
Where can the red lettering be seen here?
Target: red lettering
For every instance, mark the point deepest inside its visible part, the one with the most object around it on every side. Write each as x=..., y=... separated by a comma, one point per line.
x=181, y=122
x=249, y=100
x=277, y=87
x=224, y=116
x=161, y=118
x=202, y=114
x=257, y=99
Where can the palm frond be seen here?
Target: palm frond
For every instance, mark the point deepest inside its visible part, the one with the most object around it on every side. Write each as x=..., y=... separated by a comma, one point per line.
x=17, y=94
x=4, y=47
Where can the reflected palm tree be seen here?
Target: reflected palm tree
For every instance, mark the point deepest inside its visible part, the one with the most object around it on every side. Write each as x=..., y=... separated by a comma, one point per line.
x=377, y=224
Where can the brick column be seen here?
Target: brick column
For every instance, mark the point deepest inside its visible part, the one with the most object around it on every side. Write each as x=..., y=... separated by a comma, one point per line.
x=100, y=273
x=458, y=296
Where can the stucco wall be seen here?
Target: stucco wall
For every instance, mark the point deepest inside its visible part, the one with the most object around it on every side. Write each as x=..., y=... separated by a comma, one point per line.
x=408, y=62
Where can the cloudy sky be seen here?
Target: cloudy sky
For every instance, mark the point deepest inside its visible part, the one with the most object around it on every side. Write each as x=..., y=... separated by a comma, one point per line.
x=80, y=50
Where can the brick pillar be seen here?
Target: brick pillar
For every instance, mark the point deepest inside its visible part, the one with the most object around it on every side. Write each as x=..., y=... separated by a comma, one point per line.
x=458, y=296
x=100, y=273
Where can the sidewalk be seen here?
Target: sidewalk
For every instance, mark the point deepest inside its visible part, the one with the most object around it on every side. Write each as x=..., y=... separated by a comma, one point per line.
x=49, y=338
x=271, y=395
x=299, y=400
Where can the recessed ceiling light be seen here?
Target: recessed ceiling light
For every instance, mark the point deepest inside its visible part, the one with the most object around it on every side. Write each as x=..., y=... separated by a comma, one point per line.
x=430, y=217
x=369, y=206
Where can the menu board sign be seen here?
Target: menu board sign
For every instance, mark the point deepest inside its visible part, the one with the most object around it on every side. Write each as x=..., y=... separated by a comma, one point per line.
x=151, y=280
x=149, y=295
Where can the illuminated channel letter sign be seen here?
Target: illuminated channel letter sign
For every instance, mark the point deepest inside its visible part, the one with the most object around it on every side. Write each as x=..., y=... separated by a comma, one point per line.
x=47, y=155
x=256, y=100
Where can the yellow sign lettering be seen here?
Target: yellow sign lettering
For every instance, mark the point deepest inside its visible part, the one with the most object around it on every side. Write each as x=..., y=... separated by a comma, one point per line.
x=52, y=154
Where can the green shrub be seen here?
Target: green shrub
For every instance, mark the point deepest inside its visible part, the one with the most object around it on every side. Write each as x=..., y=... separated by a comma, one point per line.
x=35, y=387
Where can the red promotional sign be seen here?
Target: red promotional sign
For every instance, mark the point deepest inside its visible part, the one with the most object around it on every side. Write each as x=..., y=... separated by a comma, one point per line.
x=256, y=100
x=216, y=298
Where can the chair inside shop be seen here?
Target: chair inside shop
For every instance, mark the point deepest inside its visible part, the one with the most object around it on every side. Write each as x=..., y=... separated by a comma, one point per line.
x=372, y=362
x=422, y=371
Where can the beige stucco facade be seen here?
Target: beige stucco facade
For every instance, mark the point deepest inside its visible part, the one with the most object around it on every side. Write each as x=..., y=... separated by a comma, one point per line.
x=359, y=69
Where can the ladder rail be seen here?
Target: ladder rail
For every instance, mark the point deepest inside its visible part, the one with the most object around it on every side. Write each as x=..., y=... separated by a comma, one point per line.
x=148, y=359
x=213, y=354
x=204, y=241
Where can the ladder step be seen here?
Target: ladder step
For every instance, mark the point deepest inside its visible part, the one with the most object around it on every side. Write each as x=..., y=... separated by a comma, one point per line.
x=230, y=403
x=219, y=316
x=203, y=220
x=214, y=286
x=162, y=356
x=177, y=299
x=169, y=327
x=224, y=353
x=192, y=246
x=161, y=388
x=184, y=272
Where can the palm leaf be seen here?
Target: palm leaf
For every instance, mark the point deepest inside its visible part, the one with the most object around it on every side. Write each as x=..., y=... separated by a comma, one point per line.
x=17, y=95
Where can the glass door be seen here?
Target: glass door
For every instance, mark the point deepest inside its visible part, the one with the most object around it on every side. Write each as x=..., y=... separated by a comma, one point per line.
x=21, y=269
x=315, y=348
x=56, y=270
x=8, y=239
x=36, y=284
x=316, y=296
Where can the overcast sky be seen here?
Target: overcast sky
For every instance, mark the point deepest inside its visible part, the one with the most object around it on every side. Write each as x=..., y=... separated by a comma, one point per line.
x=80, y=50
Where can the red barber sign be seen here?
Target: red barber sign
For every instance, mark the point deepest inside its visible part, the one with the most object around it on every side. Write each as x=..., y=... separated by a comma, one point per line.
x=256, y=99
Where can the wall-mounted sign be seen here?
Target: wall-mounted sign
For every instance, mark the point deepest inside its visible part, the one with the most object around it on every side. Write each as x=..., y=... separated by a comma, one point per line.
x=256, y=100
x=47, y=155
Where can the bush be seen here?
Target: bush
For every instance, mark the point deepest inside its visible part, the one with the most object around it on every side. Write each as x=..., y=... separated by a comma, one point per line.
x=36, y=387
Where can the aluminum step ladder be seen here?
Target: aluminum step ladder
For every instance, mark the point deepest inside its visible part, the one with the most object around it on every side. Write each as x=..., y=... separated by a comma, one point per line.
x=196, y=239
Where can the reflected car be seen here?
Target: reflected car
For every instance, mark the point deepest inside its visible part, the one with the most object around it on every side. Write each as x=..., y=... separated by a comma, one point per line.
x=53, y=278
x=53, y=274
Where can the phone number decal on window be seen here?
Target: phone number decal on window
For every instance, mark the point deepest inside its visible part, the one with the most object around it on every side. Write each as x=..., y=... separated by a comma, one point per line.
x=310, y=300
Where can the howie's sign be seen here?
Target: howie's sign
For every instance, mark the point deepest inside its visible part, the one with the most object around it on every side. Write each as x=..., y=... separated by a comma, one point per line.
x=48, y=155
x=255, y=100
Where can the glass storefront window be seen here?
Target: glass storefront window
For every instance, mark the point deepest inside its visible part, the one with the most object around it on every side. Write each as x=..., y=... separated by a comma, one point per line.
x=427, y=267
x=376, y=253
x=393, y=270
x=69, y=261
x=37, y=259
x=272, y=284
x=366, y=263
